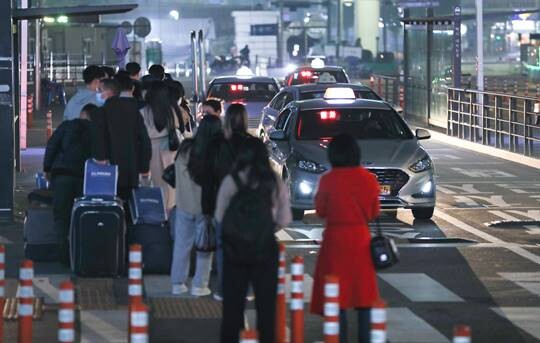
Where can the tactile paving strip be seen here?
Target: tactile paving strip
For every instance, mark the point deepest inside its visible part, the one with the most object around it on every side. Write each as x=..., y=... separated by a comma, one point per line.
x=95, y=294
x=182, y=308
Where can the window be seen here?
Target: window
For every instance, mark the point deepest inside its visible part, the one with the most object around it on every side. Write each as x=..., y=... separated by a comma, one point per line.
x=359, y=123
x=277, y=103
x=243, y=91
x=282, y=119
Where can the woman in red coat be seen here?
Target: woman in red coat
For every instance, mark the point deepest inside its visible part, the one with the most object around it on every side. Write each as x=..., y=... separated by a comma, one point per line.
x=348, y=198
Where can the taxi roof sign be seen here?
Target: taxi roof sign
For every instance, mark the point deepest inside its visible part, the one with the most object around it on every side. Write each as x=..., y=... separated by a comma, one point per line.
x=339, y=93
x=317, y=63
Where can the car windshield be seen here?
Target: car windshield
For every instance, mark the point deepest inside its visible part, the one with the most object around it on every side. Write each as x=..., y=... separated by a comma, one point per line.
x=359, y=123
x=243, y=91
x=319, y=94
x=314, y=76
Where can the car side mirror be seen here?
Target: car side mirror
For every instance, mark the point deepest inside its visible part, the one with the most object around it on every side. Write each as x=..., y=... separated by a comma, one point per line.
x=422, y=134
x=277, y=135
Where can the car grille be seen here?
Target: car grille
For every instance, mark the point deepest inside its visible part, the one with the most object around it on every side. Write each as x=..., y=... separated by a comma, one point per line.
x=395, y=178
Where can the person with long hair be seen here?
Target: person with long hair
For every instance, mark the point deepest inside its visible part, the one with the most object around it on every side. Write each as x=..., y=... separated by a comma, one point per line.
x=235, y=132
x=189, y=213
x=252, y=173
x=159, y=119
x=180, y=106
x=348, y=199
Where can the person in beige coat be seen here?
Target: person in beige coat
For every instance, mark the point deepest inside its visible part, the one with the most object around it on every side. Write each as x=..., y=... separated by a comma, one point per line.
x=159, y=118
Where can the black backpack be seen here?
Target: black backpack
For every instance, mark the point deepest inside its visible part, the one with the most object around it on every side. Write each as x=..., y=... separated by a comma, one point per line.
x=248, y=227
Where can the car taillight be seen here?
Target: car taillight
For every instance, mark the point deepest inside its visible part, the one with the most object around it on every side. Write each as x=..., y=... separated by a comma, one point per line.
x=328, y=115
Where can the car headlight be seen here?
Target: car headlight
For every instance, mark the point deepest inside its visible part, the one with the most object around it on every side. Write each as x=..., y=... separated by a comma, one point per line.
x=421, y=165
x=310, y=166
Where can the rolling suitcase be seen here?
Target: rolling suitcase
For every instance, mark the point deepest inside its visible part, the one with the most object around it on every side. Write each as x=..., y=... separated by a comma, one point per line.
x=150, y=229
x=97, y=237
x=98, y=226
x=40, y=239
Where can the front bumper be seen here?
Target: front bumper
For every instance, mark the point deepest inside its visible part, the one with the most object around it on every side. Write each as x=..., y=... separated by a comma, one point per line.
x=303, y=187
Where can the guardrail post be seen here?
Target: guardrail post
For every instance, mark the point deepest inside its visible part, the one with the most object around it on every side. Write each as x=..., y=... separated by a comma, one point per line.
x=281, y=305
x=297, y=300
x=66, y=313
x=26, y=298
x=2, y=289
x=331, y=309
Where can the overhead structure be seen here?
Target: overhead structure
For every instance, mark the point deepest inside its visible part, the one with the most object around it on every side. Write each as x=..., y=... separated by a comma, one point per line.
x=366, y=23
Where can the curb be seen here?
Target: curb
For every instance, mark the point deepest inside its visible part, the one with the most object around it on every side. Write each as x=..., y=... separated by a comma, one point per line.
x=486, y=150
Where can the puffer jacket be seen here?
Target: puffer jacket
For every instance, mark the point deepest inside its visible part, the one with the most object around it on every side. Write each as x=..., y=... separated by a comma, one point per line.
x=68, y=148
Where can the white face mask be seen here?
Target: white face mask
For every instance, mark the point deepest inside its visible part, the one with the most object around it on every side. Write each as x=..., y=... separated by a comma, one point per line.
x=99, y=99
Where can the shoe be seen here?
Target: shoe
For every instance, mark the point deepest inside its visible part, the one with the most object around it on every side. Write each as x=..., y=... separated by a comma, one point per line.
x=200, y=292
x=218, y=297
x=179, y=288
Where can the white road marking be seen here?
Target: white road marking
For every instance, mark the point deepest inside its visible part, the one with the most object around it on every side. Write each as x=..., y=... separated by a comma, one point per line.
x=477, y=200
x=104, y=326
x=532, y=229
x=526, y=318
x=482, y=173
x=490, y=238
x=466, y=188
x=529, y=281
x=420, y=287
x=404, y=326
x=530, y=215
x=48, y=287
x=503, y=215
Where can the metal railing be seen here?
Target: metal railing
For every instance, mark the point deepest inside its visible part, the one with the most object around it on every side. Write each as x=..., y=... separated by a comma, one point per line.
x=503, y=121
x=387, y=87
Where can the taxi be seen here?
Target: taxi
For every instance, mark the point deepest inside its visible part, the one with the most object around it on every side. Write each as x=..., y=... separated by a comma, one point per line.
x=305, y=92
x=254, y=92
x=300, y=136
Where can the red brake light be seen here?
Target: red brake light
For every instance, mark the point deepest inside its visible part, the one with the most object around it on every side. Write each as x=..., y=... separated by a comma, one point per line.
x=238, y=88
x=328, y=115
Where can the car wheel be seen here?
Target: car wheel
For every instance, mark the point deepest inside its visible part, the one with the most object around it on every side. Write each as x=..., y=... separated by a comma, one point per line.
x=423, y=212
x=297, y=214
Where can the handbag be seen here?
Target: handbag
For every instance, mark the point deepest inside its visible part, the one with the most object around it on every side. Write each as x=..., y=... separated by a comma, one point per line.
x=205, y=239
x=169, y=175
x=384, y=252
x=174, y=140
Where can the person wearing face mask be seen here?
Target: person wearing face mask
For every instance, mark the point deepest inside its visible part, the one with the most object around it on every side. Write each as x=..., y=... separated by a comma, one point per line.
x=122, y=138
x=92, y=77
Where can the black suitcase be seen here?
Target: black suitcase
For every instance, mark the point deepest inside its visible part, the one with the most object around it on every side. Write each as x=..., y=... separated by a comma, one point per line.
x=97, y=237
x=40, y=238
x=156, y=246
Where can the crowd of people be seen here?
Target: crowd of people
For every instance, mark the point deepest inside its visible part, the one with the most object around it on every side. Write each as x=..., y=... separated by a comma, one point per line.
x=222, y=175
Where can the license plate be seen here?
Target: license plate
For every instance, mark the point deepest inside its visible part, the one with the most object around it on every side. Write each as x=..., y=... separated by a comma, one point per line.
x=386, y=189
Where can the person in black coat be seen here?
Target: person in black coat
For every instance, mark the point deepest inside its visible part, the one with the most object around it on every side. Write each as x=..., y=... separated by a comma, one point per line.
x=122, y=140
x=67, y=150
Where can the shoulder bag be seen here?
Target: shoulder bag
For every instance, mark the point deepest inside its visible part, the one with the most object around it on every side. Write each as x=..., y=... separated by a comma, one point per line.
x=384, y=251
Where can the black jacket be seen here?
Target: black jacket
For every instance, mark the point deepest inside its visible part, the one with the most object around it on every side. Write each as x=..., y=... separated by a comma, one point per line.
x=68, y=148
x=123, y=140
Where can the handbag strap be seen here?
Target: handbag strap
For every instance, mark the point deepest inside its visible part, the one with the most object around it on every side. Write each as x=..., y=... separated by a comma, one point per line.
x=378, y=225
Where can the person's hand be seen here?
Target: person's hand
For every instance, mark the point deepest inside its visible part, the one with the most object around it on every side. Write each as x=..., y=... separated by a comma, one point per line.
x=145, y=179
